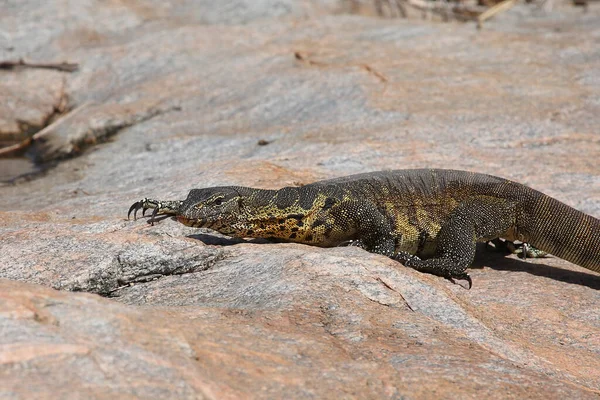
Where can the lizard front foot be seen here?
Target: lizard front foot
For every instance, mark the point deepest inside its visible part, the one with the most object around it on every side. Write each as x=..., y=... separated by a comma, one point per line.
x=158, y=207
x=463, y=277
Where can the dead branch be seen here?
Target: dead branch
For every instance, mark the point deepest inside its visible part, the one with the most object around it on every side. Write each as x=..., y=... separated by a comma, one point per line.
x=63, y=66
x=498, y=8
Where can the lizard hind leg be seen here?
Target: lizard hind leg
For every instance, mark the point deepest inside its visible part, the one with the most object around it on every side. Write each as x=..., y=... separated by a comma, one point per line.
x=525, y=250
x=522, y=250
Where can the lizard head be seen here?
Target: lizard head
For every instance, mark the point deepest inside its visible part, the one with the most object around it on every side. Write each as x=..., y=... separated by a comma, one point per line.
x=243, y=212
x=215, y=208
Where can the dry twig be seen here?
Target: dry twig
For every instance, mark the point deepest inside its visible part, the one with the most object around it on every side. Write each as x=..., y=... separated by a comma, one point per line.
x=490, y=12
x=63, y=66
x=304, y=58
x=301, y=57
x=378, y=74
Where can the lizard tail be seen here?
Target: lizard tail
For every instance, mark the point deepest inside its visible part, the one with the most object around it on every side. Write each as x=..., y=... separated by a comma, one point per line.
x=562, y=231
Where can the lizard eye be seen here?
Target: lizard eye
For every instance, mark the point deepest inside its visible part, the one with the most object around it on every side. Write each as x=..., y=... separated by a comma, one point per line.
x=219, y=201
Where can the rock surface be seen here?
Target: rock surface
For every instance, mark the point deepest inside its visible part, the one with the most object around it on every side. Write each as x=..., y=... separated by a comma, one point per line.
x=175, y=95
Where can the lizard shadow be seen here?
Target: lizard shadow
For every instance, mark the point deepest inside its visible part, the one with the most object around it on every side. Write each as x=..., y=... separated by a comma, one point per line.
x=484, y=257
x=500, y=262
x=216, y=240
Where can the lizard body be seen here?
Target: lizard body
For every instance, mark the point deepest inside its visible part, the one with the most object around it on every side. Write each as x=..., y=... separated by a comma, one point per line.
x=428, y=219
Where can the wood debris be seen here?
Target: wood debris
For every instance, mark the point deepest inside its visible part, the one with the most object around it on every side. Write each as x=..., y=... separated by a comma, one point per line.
x=461, y=10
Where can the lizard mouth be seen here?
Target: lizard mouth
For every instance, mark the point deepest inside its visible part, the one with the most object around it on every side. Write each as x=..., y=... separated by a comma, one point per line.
x=185, y=220
x=193, y=222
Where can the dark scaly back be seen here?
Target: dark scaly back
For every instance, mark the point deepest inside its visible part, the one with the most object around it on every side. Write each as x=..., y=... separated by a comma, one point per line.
x=542, y=221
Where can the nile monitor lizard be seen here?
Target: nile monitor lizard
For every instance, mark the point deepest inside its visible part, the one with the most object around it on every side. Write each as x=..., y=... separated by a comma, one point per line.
x=427, y=219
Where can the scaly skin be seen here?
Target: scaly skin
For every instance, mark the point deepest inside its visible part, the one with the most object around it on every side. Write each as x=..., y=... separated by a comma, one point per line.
x=428, y=219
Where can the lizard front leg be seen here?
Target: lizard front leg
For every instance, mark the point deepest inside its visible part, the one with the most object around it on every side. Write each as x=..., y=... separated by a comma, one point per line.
x=370, y=228
x=374, y=233
x=479, y=218
x=159, y=208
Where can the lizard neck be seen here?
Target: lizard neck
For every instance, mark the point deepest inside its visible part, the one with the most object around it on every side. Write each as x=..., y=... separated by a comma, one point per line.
x=271, y=214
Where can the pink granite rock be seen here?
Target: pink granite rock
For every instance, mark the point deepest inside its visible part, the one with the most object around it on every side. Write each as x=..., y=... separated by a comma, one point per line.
x=175, y=95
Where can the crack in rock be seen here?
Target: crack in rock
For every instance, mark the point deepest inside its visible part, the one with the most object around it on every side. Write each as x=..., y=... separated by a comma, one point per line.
x=145, y=263
x=92, y=127
x=26, y=127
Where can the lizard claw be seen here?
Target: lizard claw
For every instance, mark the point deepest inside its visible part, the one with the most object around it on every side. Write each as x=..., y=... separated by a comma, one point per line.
x=165, y=208
x=144, y=205
x=153, y=216
x=521, y=249
x=134, y=208
x=526, y=250
x=465, y=277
